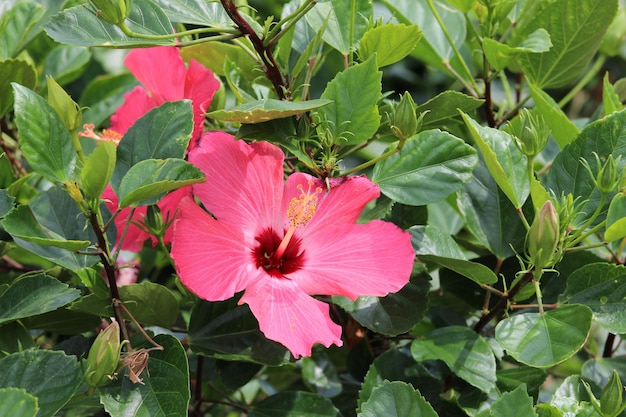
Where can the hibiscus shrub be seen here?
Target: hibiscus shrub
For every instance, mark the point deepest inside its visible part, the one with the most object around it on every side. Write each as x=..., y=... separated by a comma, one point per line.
x=312, y=208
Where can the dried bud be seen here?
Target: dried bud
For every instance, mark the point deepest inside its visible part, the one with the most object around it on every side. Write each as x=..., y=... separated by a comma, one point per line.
x=543, y=237
x=136, y=362
x=405, y=120
x=530, y=132
x=611, y=399
x=113, y=11
x=104, y=356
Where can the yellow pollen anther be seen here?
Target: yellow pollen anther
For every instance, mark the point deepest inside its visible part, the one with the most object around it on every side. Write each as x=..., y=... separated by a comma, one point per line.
x=107, y=135
x=301, y=209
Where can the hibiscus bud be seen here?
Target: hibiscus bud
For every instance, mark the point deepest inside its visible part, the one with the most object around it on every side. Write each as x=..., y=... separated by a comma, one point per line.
x=154, y=220
x=67, y=108
x=608, y=177
x=611, y=399
x=113, y=11
x=405, y=121
x=529, y=132
x=104, y=356
x=543, y=237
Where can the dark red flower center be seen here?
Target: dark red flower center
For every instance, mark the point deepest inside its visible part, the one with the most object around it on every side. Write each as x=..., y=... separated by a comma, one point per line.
x=265, y=255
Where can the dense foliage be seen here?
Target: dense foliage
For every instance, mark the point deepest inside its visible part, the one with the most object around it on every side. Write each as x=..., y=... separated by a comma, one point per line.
x=133, y=282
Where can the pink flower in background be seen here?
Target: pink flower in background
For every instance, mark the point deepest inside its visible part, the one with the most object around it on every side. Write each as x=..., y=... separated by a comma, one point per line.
x=165, y=77
x=283, y=242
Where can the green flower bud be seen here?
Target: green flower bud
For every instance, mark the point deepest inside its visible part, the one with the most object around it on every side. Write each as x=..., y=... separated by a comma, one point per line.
x=113, y=11
x=543, y=237
x=67, y=108
x=611, y=398
x=104, y=356
x=530, y=132
x=405, y=120
x=607, y=178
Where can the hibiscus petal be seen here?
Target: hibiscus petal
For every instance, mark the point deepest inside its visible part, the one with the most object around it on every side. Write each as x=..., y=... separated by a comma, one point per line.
x=287, y=315
x=200, y=87
x=136, y=104
x=160, y=70
x=168, y=206
x=245, y=182
x=211, y=260
x=358, y=259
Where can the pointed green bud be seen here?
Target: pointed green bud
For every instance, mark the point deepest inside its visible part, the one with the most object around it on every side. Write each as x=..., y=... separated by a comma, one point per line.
x=530, y=132
x=104, y=356
x=405, y=122
x=543, y=237
x=608, y=177
x=113, y=11
x=67, y=108
x=611, y=398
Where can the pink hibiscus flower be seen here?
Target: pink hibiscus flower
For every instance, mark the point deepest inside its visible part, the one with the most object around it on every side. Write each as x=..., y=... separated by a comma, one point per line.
x=283, y=242
x=164, y=77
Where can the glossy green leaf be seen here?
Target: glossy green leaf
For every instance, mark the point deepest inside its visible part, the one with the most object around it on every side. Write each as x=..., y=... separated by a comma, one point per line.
x=393, y=314
x=466, y=353
x=103, y=95
x=490, y=216
x=214, y=56
x=14, y=337
x=431, y=165
x=576, y=29
x=32, y=295
x=17, y=402
x=63, y=321
x=21, y=223
x=506, y=163
x=352, y=116
x=610, y=98
x=263, y=110
x=16, y=26
x=443, y=109
x=567, y=175
x=18, y=71
x=320, y=374
x=390, y=42
x=165, y=391
x=563, y=129
x=347, y=22
x=149, y=180
x=511, y=378
x=6, y=202
x=616, y=219
x=98, y=169
x=599, y=370
x=164, y=132
x=396, y=399
x=196, y=12
x=46, y=143
x=145, y=18
x=294, y=404
x=65, y=63
x=432, y=245
x=602, y=288
x=50, y=376
x=499, y=54
x=529, y=337
x=228, y=331
x=516, y=403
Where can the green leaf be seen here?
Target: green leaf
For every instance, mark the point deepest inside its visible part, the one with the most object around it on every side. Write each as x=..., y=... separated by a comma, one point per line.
x=443, y=109
x=21, y=223
x=393, y=314
x=511, y=378
x=563, y=129
x=32, y=295
x=6, y=202
x=63, y=321
x=17, y=402
x=610, y=98
x=16, y=26
x=530, y=337
x=263, y=110
x=164, y=132
x=506, y=163
x=319, y=374
x=65, y=63
x=14, y=337
x=396, y=399
x=147, y=181
x=352, y=117
x=145, y=18
x=228, y=331
x=46, y=143
x=602, y=288
x=214, y=56
x=196, y=12
x=466, y=353
x=432, y=245
x=599, y=370
x=390, y=42
x=431, y=165
x=166, y=389
x=499, y=54
x=347, y=22
x=567, y=175
x=98, y=169
x=294, y=404
x=50, y=376
x=18, y=71
x=103, y=95
x=576, y=29
x=616, y=219
x=516, y=403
